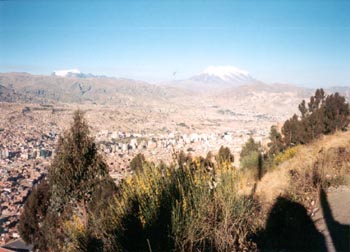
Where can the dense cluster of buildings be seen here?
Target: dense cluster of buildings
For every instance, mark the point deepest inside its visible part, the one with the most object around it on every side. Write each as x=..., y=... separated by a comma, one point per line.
x=25, y=153
x=120, y=147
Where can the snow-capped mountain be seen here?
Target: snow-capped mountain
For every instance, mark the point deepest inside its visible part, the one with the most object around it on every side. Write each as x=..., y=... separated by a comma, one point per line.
x=228, y=75
x=76, y=73
x=66, y=73
x=215, y=78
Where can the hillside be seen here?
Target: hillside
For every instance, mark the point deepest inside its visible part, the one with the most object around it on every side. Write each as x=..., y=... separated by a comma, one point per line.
x=280, y=99
x=225, y=108
x=331, y=150
x=329, y=157
x=42, y=89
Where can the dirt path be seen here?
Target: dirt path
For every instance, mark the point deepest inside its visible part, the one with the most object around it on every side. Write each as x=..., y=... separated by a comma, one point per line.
x=333, y=219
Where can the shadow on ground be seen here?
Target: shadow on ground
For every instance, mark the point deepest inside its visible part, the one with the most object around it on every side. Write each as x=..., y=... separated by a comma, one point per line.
x=290, y=228
x=339, y=233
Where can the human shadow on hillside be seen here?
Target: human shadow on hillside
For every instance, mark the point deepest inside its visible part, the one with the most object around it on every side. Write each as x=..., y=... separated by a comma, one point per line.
x=260, y=173
x=290, y=228
x=339, y=233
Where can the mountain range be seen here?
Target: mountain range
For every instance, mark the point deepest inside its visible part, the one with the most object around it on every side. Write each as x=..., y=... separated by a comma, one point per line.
x=225, y=85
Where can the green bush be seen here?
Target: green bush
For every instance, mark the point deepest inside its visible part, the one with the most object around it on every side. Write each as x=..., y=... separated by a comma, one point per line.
x=136, y=164
x=250, y=161
x=177, y=208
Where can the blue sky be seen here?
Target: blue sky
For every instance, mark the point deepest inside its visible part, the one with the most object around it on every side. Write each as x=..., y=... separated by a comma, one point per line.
x=301, y=42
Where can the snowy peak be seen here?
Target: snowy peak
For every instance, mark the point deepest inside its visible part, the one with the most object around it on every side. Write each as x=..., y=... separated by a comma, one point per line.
x=226, y=72
x=75, y=73
x=228, y=75
x=66, y=73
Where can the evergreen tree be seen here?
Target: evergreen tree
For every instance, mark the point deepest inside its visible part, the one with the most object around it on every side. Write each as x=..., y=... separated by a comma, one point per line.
x=77, y=167
x=276, y=144
x=336, y=113
x=249, y=147
x=137, y=162
x=314, y=125
x=293, y=131
x=31, y=226
x=78, y=185
x=250, y=155
x=302, y=108
x=324, y=115
x=319, y=97
x=225, y=156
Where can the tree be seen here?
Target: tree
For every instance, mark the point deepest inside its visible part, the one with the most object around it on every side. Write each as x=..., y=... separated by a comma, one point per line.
x=276, y=144
x=250, y=155
x=314, y=124
x=137, y=162
x=224, y=156
x=324, y=115
x=249, y=147
x=336, y=113
x=34, y=212
x=302, y=108
x=316, y=101
x=77, y=176
x=293, y=131
x=77, y=166
x=319, y=97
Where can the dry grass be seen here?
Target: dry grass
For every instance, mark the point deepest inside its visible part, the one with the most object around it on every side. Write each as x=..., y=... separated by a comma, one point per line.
x=328, y=156
x=272, y=185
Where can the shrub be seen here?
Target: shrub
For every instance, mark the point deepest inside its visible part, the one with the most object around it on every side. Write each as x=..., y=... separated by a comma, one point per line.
x=183, y=208
x=249, y=147
x=284, y=156
x=250, y=161
x=137, y=162
x=225, y=157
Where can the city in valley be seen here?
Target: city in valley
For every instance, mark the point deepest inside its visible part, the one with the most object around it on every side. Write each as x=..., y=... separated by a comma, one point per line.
x=158, y=127
x=29, y=134
x=128, y=117
x=174, y=126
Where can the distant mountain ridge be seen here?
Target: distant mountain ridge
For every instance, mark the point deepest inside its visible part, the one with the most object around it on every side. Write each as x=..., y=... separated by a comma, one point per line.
x=71, y=89
x=228, y=89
